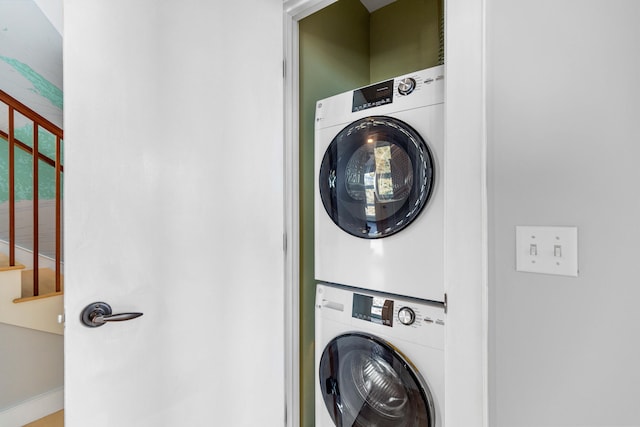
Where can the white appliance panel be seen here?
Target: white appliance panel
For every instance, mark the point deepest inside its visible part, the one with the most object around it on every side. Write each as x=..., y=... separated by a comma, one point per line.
x=409, y=262
x=422, y=343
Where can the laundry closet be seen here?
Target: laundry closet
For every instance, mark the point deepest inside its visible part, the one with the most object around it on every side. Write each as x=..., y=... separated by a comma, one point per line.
x=342, y=47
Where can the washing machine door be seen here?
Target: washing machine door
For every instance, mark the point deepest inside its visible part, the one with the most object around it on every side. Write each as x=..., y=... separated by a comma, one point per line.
x=365, y=382
x=376, y=176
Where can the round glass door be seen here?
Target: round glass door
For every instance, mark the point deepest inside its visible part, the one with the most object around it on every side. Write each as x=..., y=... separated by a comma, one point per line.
x=364, y=382
x=376, y=177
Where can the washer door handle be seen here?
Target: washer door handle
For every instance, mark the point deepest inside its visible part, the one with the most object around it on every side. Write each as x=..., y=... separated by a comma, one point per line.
x=98, y=313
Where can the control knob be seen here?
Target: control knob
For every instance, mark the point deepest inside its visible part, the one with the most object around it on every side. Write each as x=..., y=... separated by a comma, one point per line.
x=406, y=86
x=406, y=316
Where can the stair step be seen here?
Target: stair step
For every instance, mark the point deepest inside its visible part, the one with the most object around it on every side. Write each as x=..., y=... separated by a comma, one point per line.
x=42, y=312
x=40, y=296
x=4, y=264
x=46, y=285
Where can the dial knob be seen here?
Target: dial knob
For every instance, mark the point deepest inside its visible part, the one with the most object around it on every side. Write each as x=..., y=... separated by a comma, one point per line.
x=406, y=86
x=406, y=316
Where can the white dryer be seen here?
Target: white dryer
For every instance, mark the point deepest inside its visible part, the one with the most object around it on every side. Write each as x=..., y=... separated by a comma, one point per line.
x=379, y=359
x=379, y=195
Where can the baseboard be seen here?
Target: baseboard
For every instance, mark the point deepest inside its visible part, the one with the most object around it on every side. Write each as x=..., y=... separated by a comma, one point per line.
x=33, y=408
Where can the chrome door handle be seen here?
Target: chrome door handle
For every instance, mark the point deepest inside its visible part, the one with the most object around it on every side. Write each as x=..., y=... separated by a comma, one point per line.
x=98, y=313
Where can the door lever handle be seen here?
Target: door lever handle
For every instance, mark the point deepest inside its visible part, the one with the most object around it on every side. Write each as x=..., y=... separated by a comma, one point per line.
x=98, y=313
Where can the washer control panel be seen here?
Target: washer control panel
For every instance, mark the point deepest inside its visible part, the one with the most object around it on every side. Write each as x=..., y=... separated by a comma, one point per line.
x=373, y=309
x=406, y=316
x=383, y=310
x=389, y=316
x=417, y=315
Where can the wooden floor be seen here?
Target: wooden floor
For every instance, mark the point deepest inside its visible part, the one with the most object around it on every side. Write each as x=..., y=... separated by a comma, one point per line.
x=54, y=420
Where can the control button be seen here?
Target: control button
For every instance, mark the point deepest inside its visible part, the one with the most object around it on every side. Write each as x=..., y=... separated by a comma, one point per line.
x=406, y=86
x=406, y=316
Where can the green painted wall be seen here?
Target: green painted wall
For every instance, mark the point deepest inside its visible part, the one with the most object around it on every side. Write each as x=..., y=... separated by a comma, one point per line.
x=405, y=37
x=24, y=166
x=41, y=86
x=343, y=47
x=334, y=57
x=24, y=133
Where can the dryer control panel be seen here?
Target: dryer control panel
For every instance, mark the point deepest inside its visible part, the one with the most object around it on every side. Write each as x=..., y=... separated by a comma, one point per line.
x=382, y=93
x=372, y=96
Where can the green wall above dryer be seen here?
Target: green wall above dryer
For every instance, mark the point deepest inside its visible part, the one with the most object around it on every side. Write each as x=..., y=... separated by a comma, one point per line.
x=404, y=37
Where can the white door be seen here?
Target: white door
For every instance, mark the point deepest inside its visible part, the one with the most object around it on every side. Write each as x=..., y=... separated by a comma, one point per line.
x=174, y=208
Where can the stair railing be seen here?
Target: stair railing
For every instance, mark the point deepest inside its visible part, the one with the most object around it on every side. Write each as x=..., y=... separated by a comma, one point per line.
x=13, y=105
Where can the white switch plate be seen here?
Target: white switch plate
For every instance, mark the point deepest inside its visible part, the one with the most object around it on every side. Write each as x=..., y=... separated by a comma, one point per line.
x=548, y=250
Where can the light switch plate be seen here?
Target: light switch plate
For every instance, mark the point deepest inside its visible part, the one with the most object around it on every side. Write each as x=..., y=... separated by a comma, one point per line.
x=547, y=250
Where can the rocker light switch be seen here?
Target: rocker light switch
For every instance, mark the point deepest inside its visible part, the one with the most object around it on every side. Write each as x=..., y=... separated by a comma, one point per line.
x=547, y=250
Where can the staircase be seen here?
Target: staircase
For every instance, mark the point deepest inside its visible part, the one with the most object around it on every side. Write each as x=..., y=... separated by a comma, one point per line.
x=19, y=307
x=31, y=280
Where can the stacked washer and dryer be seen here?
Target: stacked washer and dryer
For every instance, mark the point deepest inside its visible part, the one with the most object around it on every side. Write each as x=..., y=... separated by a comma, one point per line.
x=380, y=301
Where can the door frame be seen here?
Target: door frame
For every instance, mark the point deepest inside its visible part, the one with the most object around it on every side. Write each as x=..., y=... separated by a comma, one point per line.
x=466, y=347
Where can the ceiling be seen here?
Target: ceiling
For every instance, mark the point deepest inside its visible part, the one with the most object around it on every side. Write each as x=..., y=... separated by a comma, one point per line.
x=373, y=5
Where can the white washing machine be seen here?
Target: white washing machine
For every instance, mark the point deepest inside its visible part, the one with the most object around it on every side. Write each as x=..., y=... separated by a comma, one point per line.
x=379, y=359
x=379, y=195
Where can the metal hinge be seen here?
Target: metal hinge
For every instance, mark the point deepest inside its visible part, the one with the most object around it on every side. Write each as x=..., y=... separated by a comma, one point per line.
x=445, y=303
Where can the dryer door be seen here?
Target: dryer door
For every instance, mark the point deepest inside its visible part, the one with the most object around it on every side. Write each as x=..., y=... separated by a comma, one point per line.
x=365, y=382
x=375, y=177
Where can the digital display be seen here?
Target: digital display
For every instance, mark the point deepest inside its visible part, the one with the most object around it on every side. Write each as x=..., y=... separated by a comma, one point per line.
x=372, y=96
x=373, y=309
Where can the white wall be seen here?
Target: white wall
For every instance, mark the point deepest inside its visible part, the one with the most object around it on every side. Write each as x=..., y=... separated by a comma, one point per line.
x=564, y=139
x=465, y=216
x=30, y=364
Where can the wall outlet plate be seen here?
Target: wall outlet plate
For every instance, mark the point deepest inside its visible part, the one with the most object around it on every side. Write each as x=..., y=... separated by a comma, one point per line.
x=547, y=250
